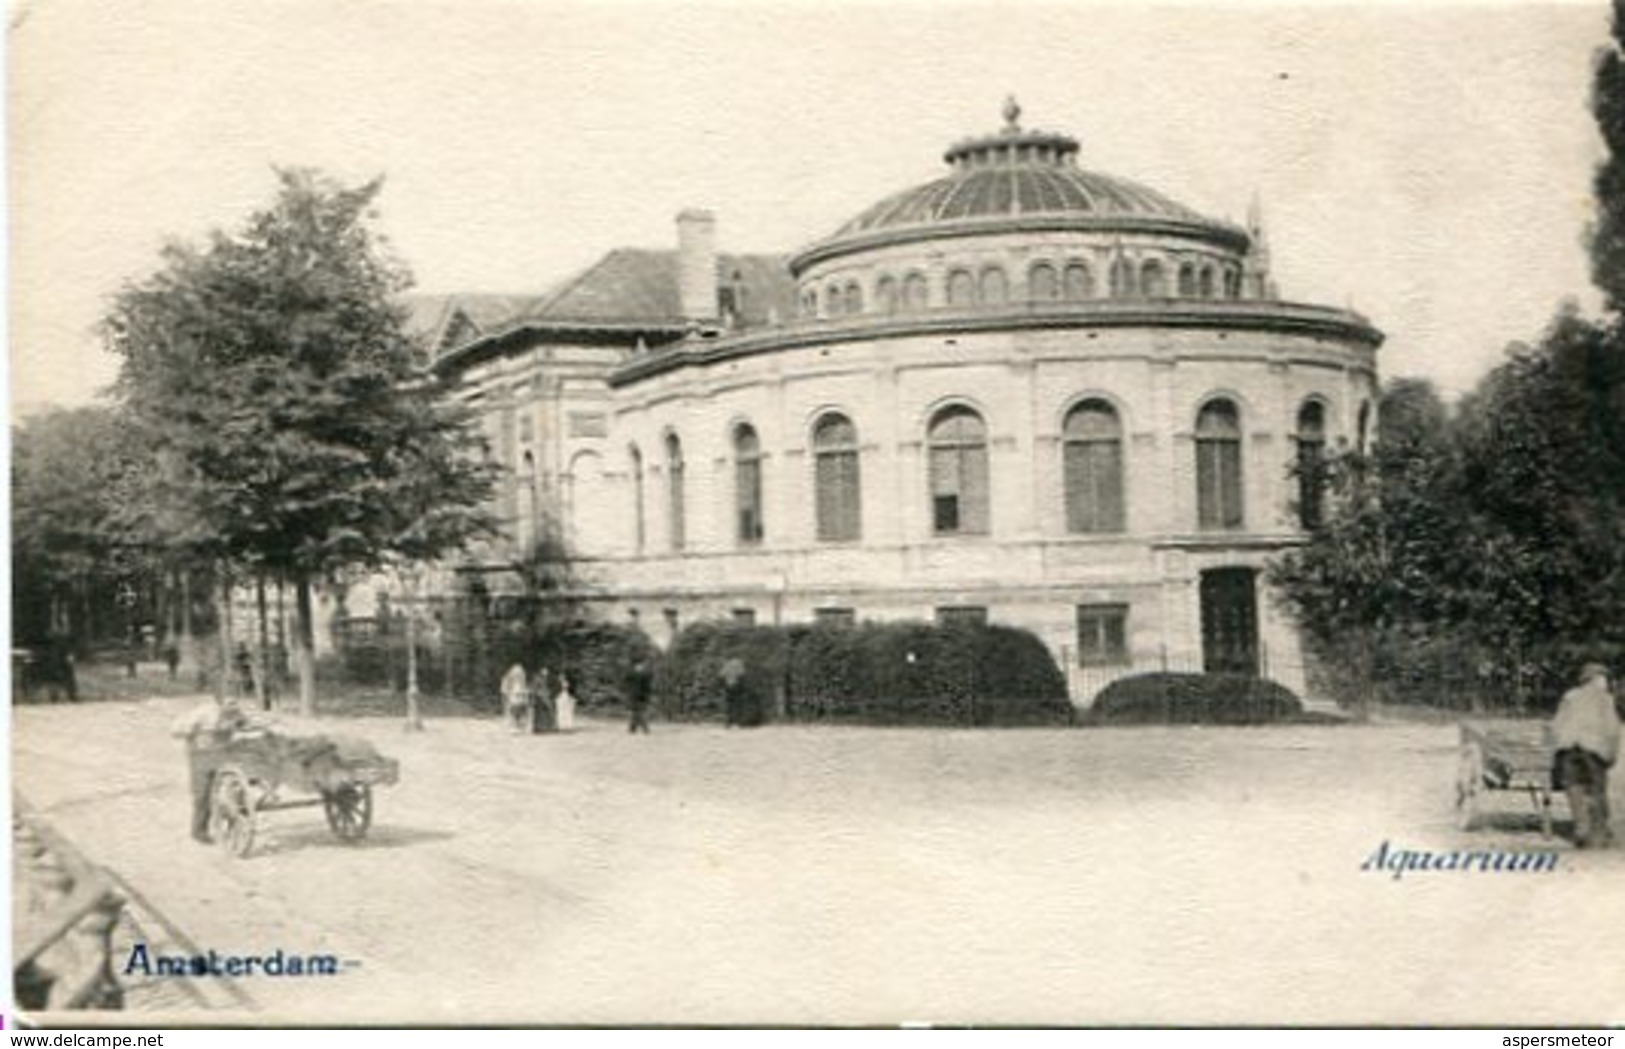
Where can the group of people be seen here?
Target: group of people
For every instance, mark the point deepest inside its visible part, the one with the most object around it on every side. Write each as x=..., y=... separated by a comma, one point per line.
x=531, y=705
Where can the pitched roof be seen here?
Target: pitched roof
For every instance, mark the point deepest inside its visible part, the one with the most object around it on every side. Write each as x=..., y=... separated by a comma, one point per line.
x=447, y=320
x=639, y=286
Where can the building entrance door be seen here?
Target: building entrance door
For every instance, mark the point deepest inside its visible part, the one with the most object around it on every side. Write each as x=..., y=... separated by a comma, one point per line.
x=1229, y=621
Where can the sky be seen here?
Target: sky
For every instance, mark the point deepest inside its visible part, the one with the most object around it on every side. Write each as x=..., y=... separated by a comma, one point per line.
x=1426, y=165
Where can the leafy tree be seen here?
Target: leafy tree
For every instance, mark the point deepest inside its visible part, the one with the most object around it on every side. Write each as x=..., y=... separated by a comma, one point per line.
x=1608, y=106
x=1495, y=536
x=66, y=565
x=1543, y=440
x=1372, y=568
x=298, y=426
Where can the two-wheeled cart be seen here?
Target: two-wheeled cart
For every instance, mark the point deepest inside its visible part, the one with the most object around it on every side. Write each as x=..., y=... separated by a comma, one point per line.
x=1504, y=756
x=263, y=771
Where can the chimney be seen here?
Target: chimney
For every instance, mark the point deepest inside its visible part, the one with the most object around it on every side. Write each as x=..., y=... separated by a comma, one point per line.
x=697, y=264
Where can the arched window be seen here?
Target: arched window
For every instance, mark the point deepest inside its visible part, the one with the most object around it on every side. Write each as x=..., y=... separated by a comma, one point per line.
x=886, y=295
x=637, y=499
x=994, y=288
x=1042, y=283
x=809, y=304
x=1363, y=432
x=748, y=484
x=1122, y=278
x=1153, y=285
x=959, y=483
x=832, y=301
x=1204, y=283
x=961, y=288
x=1092, y=440
x=1311, y=463
x=1079, y=282
x=836, y=479
x=1187, y=281
x=1218, y=466
x=674, y=491
x=1232, y=284
x=854, y=298
x=916, y=296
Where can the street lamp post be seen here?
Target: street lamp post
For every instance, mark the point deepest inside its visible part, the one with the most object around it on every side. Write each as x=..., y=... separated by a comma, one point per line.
x=414, y=715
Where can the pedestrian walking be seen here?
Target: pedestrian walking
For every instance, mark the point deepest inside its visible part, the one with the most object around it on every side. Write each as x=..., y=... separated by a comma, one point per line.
x=1586, y=733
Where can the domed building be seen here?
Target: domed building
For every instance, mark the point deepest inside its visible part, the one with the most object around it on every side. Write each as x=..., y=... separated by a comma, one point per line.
x=1023, y=393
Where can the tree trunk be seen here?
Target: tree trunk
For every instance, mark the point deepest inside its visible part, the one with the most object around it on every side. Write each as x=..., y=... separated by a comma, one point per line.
x=414, y=717
x=262, y=665
x=304, y=656
x=222, y=678
x=189, y=658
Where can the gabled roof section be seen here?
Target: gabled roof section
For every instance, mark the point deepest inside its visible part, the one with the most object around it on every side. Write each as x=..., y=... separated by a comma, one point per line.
x=445, y=321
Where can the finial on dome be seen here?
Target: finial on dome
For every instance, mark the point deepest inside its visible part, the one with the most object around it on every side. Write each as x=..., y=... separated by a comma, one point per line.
x=1012, y=113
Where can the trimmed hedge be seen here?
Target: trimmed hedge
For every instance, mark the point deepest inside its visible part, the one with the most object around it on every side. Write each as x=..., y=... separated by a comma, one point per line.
x=876, y=673
x=1194, y=699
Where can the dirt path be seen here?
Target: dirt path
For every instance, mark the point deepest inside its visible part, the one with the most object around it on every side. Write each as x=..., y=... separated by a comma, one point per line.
x=800, y=875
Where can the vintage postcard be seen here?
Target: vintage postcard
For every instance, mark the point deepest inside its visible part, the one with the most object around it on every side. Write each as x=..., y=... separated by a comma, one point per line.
x=858, y=514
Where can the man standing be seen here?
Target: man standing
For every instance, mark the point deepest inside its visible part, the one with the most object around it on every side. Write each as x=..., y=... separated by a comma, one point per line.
x=207, y=730
x=1586, y=732
x=733, y=693
x=639, y=686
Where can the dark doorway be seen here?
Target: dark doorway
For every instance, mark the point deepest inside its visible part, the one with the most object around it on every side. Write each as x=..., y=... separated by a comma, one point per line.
x=1229, y=621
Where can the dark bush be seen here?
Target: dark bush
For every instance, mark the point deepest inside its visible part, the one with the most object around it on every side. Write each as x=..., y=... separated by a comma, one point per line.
x=1193, y=699
x=880, y=673
x=688, y=684
x=595, y=657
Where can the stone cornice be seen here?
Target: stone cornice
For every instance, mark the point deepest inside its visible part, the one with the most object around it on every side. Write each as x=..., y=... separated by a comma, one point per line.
x=606, y=333
x=1218, y=315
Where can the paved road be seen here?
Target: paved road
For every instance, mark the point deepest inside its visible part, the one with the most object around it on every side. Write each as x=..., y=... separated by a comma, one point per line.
x=799, y=875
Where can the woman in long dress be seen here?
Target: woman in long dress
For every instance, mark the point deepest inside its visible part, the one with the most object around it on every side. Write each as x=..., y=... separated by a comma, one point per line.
x=515, y=698
x=564, y=705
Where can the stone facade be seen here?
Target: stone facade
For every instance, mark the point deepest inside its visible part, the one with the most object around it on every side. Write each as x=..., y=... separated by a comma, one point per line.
x=1024, y=393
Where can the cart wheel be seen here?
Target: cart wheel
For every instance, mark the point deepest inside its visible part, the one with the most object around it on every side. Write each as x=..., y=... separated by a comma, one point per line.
x=1469, y=786
x=349, y=810
x=231, y=813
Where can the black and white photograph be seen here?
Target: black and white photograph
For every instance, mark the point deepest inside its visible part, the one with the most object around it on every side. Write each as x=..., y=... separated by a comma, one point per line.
x=624, y=514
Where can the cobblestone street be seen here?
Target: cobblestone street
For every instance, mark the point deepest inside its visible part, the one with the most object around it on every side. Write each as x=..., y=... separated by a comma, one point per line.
x=840, y=875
